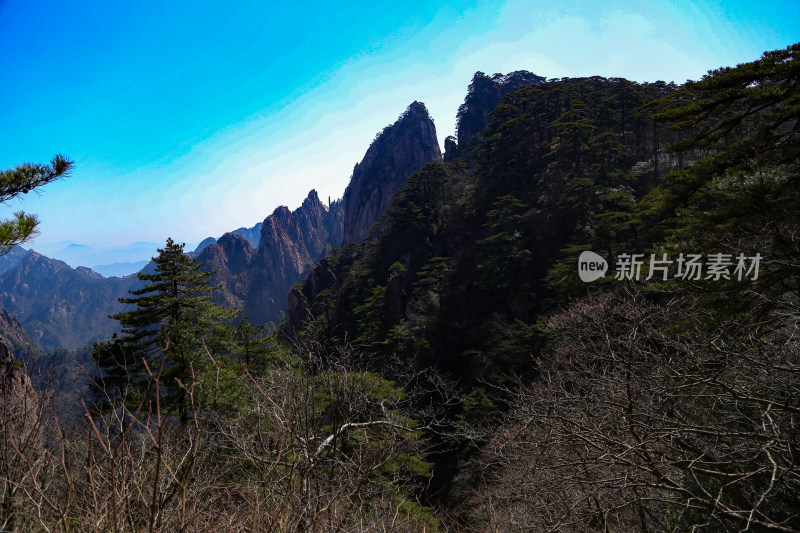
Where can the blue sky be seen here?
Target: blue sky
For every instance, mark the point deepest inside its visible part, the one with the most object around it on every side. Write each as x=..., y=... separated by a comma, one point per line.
x=188, y=119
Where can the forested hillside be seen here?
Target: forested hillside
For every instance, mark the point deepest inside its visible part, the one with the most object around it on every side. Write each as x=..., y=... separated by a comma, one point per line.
x=638, y=404
x=469, y=258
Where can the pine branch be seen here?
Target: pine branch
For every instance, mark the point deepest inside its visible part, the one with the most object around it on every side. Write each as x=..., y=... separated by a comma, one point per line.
x=28, y=176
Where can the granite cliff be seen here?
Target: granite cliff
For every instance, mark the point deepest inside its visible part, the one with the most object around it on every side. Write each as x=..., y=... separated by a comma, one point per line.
x=396, y=153
x=257, y=279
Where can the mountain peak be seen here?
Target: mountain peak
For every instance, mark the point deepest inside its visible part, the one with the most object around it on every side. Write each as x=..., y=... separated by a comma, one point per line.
x=482, y=98
x=88, y=272
x=415, y=108
x=312, y=200
x=396, y=153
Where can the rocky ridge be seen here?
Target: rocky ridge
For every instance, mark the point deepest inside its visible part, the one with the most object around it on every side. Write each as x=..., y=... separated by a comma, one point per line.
x=482, y=98
x=396, y=153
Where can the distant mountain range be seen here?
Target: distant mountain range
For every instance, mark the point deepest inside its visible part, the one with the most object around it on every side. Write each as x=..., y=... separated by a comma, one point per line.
x=120, y=269
x=117, y=260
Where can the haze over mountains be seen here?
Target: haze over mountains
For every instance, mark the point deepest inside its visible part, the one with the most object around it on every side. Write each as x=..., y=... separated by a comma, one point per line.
x=118, y=260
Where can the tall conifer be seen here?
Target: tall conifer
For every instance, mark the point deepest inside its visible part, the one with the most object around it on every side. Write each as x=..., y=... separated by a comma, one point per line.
x=174, y=314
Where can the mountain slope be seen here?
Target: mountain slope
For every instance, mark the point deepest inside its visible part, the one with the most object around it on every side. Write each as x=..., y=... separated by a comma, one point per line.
x=61, y=307
x=12, y=258
x=17, y=338
x=462, y=264
x=255, y=267
x=290, y=243
x=483, y=96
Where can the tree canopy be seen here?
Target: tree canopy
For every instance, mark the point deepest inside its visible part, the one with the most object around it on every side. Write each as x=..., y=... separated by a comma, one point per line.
x=174, y=318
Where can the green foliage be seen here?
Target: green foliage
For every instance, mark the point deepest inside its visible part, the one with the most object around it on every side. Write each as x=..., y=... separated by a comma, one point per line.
x=478, y=250
x=504, y=259
x=743, y=196
x=490, y=246
x=21, y=180
x=175, y=319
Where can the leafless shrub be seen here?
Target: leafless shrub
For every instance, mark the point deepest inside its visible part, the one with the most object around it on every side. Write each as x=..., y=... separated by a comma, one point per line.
x=334, y=449
x=651, y=418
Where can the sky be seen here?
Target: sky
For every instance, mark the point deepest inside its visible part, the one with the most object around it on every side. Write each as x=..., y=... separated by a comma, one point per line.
x=187, y=119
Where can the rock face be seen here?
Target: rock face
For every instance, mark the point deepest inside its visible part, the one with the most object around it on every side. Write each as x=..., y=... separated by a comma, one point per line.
x=205, y=242
x=450, y=148
x=257, y=279
x=291, y=243
x=482, y=98
x=397, y=152
x=12, y=258
x=322, y=277
x=230, y=258
x=251, y=235
x=16, y=337
x=61, y=307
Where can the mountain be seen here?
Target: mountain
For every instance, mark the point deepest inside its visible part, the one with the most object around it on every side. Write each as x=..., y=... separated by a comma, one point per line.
x=469, y=257
x=230, y=258
x=117, y=260
x=12, y=258
x=483, y=96
x=396, y=153
x=119, y=269
x=205, y=242
x=251, y=235
x=474, y=253
x=17, y=338
x=62, y=307
x=257, y=279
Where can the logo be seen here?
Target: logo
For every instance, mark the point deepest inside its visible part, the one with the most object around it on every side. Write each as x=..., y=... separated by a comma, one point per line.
x=591, y=266
x=686, y=267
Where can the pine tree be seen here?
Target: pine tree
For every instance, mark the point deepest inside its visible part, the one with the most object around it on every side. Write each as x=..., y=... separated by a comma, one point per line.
x=21, y=180
x=175, y=319
x=744, y=196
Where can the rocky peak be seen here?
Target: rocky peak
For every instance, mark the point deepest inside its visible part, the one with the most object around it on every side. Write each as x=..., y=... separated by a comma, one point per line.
x=251, y=235
x=483, y=97
x=208, y=241
x=450, y=148
x=88, y=272
x=257, y=279
x=231, y=252
x=396, y=153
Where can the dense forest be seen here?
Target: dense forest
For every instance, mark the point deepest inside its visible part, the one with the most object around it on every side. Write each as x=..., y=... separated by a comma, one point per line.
x=451, y=371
